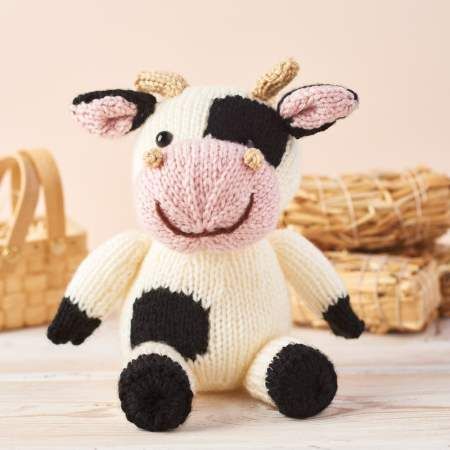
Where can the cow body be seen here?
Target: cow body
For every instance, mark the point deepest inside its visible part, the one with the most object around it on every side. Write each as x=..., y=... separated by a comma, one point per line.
x=206, y=283
x=241, y=317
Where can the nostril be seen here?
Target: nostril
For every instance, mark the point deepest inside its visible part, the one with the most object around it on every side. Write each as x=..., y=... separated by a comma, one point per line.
x=154, y=158
x=253, y=158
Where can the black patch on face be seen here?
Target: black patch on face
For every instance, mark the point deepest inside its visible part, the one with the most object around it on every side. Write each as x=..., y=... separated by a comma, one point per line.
x=173, y=318
x=239, y=119
x=144, y=102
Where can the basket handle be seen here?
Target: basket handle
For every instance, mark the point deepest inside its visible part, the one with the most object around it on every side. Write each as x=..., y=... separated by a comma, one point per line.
x=24, y=205
x=50, y=180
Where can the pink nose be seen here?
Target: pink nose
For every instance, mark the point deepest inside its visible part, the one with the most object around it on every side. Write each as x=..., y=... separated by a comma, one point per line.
x=205, y=189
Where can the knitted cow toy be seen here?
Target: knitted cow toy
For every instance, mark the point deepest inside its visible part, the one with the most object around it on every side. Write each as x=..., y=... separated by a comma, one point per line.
x=205, y=285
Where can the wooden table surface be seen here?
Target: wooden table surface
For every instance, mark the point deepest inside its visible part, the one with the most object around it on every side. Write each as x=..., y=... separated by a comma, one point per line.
x=394, y=393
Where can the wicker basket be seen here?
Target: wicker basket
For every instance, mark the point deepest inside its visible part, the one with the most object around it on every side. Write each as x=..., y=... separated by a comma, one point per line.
x=390, y=293
x=372, y=211
x=38, y=255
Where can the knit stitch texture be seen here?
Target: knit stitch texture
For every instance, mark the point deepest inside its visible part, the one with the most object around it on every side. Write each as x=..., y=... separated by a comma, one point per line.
x=204, y=286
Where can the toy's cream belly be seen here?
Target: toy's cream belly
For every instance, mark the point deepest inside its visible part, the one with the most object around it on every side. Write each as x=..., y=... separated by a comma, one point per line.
x=245, y=293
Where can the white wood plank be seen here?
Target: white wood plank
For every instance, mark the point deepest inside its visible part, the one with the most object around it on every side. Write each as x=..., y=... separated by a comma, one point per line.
x=102, y=350
x=371, y=411
x=394, y=392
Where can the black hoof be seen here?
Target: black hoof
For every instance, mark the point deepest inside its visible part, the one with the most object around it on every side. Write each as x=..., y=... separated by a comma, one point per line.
x=301, y=381
x=155, y=393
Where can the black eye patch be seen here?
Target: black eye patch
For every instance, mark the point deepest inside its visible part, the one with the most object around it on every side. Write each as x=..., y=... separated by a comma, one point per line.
x=239, y=119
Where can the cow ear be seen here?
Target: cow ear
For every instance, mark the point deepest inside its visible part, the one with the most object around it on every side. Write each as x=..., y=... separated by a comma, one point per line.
x=310, y=109
x=112, y=113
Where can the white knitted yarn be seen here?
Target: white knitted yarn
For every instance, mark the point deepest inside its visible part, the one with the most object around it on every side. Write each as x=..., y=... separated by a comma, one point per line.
x=255, y=380
x=246, y=291
x=248, y=300
x=103, y=278
x=308, y=270
x=186, y=116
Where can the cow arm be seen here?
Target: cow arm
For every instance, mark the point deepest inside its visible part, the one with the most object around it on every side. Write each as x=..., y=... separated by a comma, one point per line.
x=102, y=279
x=316, y=282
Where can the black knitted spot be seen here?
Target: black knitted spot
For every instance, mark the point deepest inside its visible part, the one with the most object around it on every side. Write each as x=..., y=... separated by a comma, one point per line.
x=239, y=119
x=301, y=381
x=171, y=317
x=155, y=393
x=144, y=102
x=71, y=324
x=342, y=320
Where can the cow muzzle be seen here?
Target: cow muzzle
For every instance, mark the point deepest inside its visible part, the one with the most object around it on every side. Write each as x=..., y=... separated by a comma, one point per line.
x=207, y=194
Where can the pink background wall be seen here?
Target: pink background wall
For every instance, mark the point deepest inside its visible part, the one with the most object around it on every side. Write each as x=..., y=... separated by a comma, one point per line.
x=395, y=54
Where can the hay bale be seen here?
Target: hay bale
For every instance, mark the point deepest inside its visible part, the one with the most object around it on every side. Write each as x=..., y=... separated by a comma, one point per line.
x=390, y=293
x=371, y=212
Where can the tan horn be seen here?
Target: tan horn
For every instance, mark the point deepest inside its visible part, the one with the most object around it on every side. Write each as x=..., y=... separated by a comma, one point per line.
x=276, y=79
x=166, y=84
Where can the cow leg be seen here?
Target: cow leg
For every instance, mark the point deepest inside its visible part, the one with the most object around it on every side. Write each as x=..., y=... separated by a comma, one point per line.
x=298, y=380
x=156, y=387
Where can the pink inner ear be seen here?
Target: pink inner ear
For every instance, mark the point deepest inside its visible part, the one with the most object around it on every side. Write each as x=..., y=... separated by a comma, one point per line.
x=314, y=106
x=108, y=116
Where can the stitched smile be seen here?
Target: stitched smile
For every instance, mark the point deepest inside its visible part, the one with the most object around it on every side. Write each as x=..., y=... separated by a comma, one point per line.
x=205, y=233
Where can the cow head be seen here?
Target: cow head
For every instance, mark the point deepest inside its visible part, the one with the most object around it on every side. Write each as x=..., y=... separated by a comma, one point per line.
x=214, y=166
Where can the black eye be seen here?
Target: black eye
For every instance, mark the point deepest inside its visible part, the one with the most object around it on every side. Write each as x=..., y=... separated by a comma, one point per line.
x=250, y=143
x=163, y=138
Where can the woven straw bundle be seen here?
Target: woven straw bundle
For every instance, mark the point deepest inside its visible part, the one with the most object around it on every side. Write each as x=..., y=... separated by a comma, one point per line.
x=372, y=211
x=442, y=254
x=38, y=255
x=390, y=293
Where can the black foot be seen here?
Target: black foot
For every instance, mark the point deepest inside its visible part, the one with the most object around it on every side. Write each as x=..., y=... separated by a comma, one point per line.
x=155, y=393
x=301, y=381
x=71, y=324
x=342, y=319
